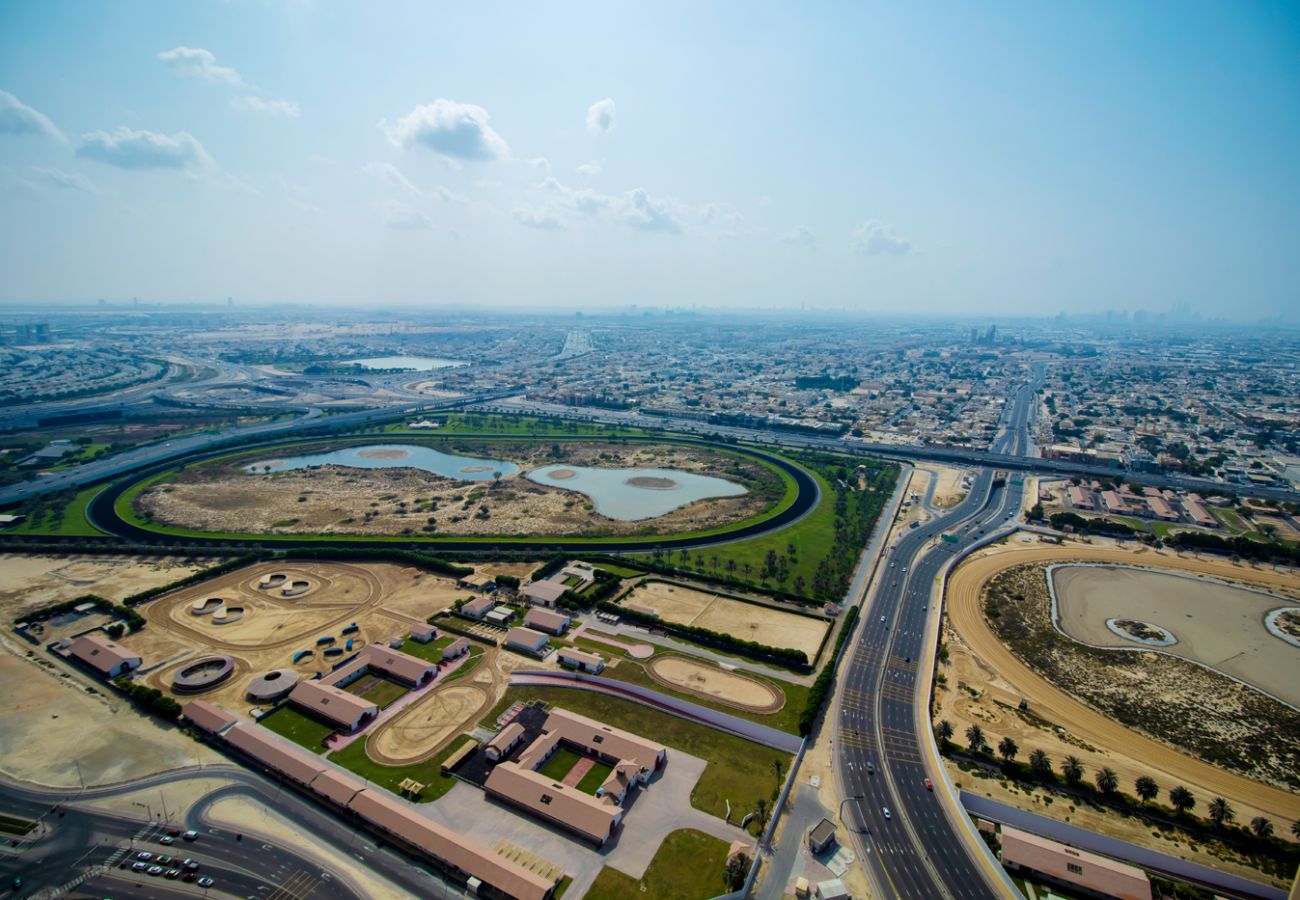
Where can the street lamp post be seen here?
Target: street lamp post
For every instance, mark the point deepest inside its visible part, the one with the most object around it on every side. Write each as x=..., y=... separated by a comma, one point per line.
x=846, y=800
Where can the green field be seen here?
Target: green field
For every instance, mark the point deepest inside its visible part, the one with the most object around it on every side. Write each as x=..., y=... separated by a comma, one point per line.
x=430, y=652
x=561, y=761
x=689, y=865
x=429, y=773
x=738, y=770
x=385, y=693
x=299, y=728
x=594, y=778
x=58, y=518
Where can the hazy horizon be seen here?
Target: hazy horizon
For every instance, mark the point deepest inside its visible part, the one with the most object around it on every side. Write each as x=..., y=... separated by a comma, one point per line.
x=1004, y=161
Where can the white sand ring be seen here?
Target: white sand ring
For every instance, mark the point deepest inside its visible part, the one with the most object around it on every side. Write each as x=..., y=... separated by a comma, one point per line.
x=296, y=588
x=206, y=606
x=1271, y=623
x=273, y=580
x=227, y=614
x=1167, y=641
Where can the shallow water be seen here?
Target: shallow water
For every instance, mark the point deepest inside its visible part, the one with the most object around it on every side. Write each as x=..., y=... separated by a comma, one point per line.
x=448, y=465
x=616, y=498
x=411, y=363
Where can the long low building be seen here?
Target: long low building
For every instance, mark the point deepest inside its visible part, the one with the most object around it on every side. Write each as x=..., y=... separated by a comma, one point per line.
x=485, y=872
x=593, y=818
x=105, y=656
x=333, y=705
x=1076, y=868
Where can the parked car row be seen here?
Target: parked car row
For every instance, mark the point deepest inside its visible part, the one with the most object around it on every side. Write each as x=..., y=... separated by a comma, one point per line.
x=169, y=866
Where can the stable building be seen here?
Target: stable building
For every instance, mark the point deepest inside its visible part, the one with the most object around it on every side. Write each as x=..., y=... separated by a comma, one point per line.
x=478, y=607
x=543, y=593
x=479, y=584
x=1079, y=870
x=528, y=641
x=545, y=620
x=456, y=648
x=506, y=740
x=423, y=634
x=107, y=657
x=580, y=660
x=333, y=705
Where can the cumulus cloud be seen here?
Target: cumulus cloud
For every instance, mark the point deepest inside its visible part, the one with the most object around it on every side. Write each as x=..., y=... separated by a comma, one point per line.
x=640, y=210
x=195, y=62
x=455, y=131
x=143, y=150
x=541, y=219
x=801, y=235
x=272, y=107
x=57, y=178
x=590, y=169
x=16, y=117
x=875, y=238
x=713, y=214
x=600, y=116
x=404, y=217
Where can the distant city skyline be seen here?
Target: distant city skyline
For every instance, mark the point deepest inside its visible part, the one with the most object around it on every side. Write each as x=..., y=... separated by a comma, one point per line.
x=1010, y=160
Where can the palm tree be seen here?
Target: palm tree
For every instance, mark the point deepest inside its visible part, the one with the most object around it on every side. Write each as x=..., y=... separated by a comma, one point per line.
x=944, y=730
x=1262, y=827
x=776, y=770
x=1040, y=763
x=1220, y=812
x=1181, y=799
x=975, y=738
x=1295, y=829
x=1107, y=780
x=1007, y=749
x=1072, y=769
x=762, y=815
x=1146, y=788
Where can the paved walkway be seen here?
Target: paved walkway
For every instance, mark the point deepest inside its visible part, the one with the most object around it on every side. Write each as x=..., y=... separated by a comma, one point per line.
x=658, y=808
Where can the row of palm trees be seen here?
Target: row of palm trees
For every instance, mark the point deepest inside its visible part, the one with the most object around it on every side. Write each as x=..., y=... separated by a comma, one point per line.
x=1219, y=811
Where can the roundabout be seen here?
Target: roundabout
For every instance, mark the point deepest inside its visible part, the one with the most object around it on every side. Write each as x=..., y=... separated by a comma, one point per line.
x=113, y=510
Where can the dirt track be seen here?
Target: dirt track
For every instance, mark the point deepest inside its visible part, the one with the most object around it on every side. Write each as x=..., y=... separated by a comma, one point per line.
x=1143, y=755
x=716, y=684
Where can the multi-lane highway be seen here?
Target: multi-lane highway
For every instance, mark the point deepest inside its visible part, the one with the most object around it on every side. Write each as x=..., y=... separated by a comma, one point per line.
x=908, y=842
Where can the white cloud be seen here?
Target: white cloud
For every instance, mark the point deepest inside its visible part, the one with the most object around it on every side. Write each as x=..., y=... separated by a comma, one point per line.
x=286, y=108
x=195, y=62
x=16, y=117
x=590, y=169
x=390, y=175
x=455, y=131
x=875, y=238
x=141, y=150
x=800, y=234
x=640, y=210
x=404, y=217
x=541, y=219
x=713, y=214
x=540, y=163
x=600, y=116
x=58, y=178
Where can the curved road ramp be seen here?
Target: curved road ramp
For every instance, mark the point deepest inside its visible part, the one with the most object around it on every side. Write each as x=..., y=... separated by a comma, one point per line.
x=693, y=712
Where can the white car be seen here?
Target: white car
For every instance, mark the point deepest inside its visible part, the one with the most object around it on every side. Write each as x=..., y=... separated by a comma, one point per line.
x=885, y=810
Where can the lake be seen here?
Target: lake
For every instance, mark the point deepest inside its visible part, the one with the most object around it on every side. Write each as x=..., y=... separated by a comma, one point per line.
x=393, y=456
x=408, y=363
x=632, y=494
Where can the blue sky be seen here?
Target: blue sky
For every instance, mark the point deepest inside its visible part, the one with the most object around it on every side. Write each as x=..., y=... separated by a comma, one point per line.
x=954, y=158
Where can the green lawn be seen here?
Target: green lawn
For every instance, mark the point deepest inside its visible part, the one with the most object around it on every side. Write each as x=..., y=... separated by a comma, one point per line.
x=688, y=865
x=559, y=764
x=73, y=521
x=620, y=571
x=385, y=693
x=785, y=719
x=430, y=652
x=594, y=778
x=299, y=728
x=605, y=650
x=475, y=651
x=353, y=758
x=738, y=770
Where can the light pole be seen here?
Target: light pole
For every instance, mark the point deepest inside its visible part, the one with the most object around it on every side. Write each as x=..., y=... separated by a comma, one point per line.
x=846, y=800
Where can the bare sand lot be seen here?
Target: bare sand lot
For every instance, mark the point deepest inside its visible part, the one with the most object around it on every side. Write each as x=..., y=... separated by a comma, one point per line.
x=1215, y=623
x=986, y=681
x=223, y=497
x=749, y=621
x=420, y=730
x=717, y=684
x=31, y=582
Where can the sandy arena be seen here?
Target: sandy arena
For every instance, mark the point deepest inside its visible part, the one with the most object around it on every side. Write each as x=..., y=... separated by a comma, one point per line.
x=421, y=730
x=1216, y=624
x=717, y=684
x=749, y=621
x=980, y=661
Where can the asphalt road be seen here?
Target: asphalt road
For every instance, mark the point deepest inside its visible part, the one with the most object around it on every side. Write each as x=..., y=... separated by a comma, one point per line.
x=906, y=840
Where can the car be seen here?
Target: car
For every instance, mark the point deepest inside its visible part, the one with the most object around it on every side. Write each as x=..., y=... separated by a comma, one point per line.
x=190, y=864
x=882, y=618
x=190, y=876
x=163, y=860
x=172, y=874
x=18, y=883
x=929, y=785
x=206, y=882
x=885, y=810
x=190, y=835
x=155, y=870
x=907, y=659
x=173, y=832
x=891, y=565
x=139, y=867
x=871, y=769
x=894, y=583
x=167, y=840
x=144, y=856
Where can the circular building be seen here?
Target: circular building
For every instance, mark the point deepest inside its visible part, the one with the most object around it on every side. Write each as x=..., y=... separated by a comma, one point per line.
x=272, y=685
x=202, y=675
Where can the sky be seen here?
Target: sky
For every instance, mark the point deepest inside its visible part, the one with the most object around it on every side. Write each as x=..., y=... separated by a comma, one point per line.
x=958, y=158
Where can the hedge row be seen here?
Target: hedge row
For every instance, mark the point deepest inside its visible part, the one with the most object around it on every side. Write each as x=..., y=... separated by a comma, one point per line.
x=781, y=656
x=151, y=700
x=426, y=561
x=606, y=586
x=134, y=621
x=821, y=687
x=1240, y=546
x=1080, y=524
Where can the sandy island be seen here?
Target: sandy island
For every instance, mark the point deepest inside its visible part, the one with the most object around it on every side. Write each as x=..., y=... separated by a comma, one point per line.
x=652, y=483
x=383, y=454
x=469, y=469
x=561, y=474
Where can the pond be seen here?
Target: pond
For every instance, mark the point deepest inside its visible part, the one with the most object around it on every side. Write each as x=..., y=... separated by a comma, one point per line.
x=408, y=363
x=394, y=456
x=632, y=494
